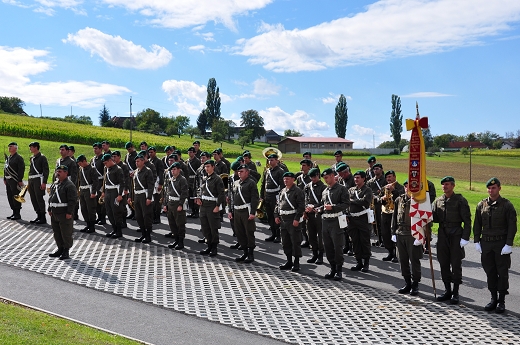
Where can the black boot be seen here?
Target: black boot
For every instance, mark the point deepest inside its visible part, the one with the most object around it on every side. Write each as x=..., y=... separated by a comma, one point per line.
x=147, y=236
x=143, y=236
x=132, y=214
x=501, y=305
x=350, y=251
x=235, y=246
x=110, y=234
x=447, y=294
x=277, y=238
x=390, y=255
x=250, y=257
x=358, y=267
x=57, y=253
x=415, y=288
x=338, y=274
x=296, y=265
x=65, y=254
x=288, y=265
x=272, y=237
x=180, y=244
x=366, y=265
x=314, y=257
x=16, y=215
x=35, y=219
x=118, y=232
x=206, y=251
x=455, y=294
x=85, y=229
x=91, y=227
x=332, y=271
x=213, y=251
x=492, y=305
x=243, y=257
x=394, y=259
x=408, y=287
x=174, y=244
x=320, y=258
x=202, y=240
x=305, y=243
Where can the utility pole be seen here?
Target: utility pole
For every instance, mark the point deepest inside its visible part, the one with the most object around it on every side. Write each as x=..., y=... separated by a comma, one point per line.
x=41, y=112
x=470, y=150
x=71, y=110
x=131, y=119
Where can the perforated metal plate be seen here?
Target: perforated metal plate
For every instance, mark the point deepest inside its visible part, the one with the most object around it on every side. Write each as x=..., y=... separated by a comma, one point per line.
x=261, y=299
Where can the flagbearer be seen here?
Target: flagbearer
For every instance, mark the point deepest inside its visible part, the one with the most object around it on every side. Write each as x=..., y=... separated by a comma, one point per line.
x=409, y=249
x=494, y=230
x=451, y=210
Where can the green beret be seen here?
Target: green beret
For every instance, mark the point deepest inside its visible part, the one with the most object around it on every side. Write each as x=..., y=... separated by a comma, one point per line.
x=33, y=144
x=116, y=153
x=377, y=165
x=139, y=156
x=361, y=173
x=65, y=146
x=493, y=181
x=128, y=145
x=13, y=143
x=192, y=149
x=338, y=153
x=177, y=165
x=152, y=148
x=235, y=165
x=196, y=142
x=246, y=154
x=143, y=143
x=177, y=152
x=314, y=172
x=71, y=148
x=243, y=166
x=81, y=158
x=215, y=151
x=167, y=148
x=327, y=171
x=389, y=172
x=142, y=153
x=272, y=155
x=98, y=145
x=306, y=162
x=289, y=174
x=307, y=153
x=105, y=142
x=448, y=179
x=342, y=167
x=240, y=158
x=63, y=167
x=405, y=182
x=210, y=162
x=205, y=154
x=172, y=156
x=371, y=159
x=106, y=157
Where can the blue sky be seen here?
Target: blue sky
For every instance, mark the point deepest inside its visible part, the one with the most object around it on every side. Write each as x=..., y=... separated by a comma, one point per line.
x=288, y=59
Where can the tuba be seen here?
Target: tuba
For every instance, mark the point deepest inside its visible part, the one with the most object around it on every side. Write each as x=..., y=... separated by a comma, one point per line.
x=225, y=180
x=270, y=150
x=20, y=196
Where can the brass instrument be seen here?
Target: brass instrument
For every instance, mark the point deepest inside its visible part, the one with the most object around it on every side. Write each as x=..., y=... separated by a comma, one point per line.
x=20, y=196
x=388, y=206
x=270, y=150
x=225, y=180
x=259, y=210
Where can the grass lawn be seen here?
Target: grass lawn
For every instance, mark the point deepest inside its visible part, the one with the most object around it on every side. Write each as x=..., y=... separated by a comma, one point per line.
x=19, y=325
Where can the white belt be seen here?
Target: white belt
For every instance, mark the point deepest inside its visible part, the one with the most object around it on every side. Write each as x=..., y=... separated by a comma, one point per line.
x=209, y=198
x=332, y=215
x=35, y=176
x=192, y=176
x=58, y=204
x=283, y=213
x=272, y=190
x=8, y=177
x=173, y=198
x=112, y=186
x=357, y=214
x=85, y=187
x=241, y=207
x=141, y=191
x=100, y=177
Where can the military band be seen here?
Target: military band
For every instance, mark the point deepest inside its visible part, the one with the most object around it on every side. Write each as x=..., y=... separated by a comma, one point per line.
x=38, y=176
x=14, y=170
x=313, y=191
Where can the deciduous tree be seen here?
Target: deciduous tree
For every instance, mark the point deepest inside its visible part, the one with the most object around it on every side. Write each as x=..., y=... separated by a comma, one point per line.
x=251, y=120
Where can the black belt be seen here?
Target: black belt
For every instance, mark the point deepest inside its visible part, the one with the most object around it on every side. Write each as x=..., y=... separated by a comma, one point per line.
x=451, y=225
x=493, y=238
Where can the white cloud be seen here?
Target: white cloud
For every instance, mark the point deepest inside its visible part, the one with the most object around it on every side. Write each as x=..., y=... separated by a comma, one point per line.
x=264, y=87
x=425, y=95
x=47, y=6
x=18, y=64
x=279, y=120
x=328, y=100
x=199, y=48
x=188, y=96
x=207, y=36
x=359, y=130
x=119, y=52
x=180, y=14
x=387, y=29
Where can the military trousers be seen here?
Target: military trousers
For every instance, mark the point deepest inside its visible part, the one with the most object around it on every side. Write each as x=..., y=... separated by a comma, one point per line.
x=333, y=241
x=315, y=231
x=270, y=204
x=359, y=231
x=12, y=189
x=116, y=213
x=209, y=221
x=176, y=220
x=450, y=255
x=291, y=237
x=386, y=230
x=62, y=229
x=100, y=208
x=36, y=194
x=88, y=205
x=495, y=265
x=143, y=212
x=244, y=228
x=409, y=255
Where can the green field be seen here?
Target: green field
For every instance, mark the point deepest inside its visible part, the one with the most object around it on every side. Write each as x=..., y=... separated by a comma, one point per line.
x=19, y=325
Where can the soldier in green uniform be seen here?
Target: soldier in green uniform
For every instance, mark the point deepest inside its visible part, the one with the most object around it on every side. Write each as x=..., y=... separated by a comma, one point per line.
x=176, y=194
x=392, y=190
x=159, y=168
x=338, y=156
x=201, y=177
x=345, y=178
x=272, y=183
x=244, y=200
x=113, y=190
x=308, y=155
x=130, y=162
x=38, y=176
x=313, y=191
x=210, y=196
x=196, y=145
x=116, y=156
x=289, y=214
x=302, y=179
x=494, y=231
x=410, y=249
x=370, y=170
x=253, y=172
x=358, y=226
x=69, y=162
x=377, y=183
x=193, y=164
x=97, y=164
x=13, y=178
x=335, y=200
x=451, y=210
x=88, y=185
x=62, y=202
x=143, y=193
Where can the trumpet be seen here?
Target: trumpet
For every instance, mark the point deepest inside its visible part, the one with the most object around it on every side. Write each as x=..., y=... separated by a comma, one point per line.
x=388, y=206
x=20, y=196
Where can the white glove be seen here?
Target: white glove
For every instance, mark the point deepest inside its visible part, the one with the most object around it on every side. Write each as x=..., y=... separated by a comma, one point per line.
x=463, y=242
x=478, y=248
x=506, y=250
x=417, y=243
x=394, y=238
